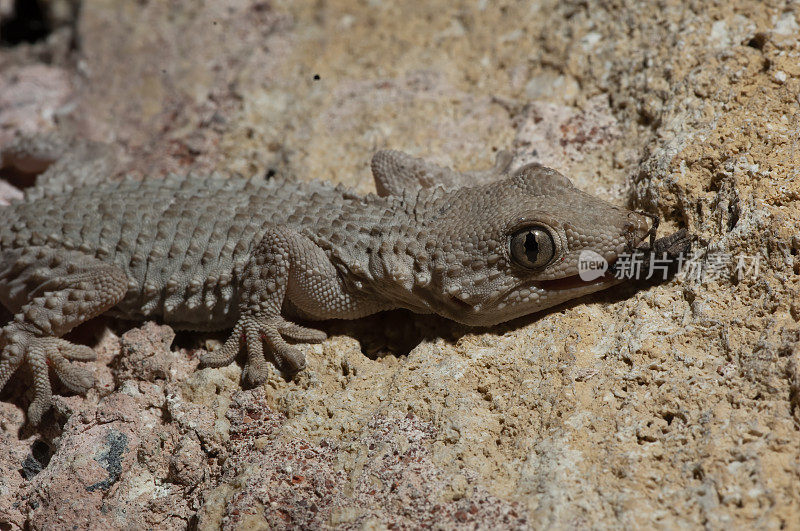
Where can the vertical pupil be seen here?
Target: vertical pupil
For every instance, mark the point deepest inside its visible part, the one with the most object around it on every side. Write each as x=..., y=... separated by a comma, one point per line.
x=531, y=247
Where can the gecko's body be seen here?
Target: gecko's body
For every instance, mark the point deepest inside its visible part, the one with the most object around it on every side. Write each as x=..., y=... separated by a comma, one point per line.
x=212, y=253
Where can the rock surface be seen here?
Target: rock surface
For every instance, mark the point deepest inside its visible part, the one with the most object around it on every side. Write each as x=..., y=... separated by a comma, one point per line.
x=670, y=405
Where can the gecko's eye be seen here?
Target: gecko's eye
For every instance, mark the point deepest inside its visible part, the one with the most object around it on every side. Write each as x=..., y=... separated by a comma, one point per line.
x=533, y=247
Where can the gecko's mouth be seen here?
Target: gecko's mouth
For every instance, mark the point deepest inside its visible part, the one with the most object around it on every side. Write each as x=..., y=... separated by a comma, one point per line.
x=574, y=282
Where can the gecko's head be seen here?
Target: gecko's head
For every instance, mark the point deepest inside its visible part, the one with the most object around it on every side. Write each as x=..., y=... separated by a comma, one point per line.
x=512, y=247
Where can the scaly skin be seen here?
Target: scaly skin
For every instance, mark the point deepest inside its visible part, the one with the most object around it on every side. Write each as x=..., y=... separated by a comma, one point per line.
x=213, y=253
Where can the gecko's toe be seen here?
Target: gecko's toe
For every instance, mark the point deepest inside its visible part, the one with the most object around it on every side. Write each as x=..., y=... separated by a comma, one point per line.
x=286, y=358
x=289, y=359
x=36, y=356
x=255, y=374
x=302, y=333
x=226, y=353
x=75, y=352
x=77, y=379
x=256, y=370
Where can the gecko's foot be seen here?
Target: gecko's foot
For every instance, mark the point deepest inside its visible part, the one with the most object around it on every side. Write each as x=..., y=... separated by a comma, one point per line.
x=39, y=353
x=252, y=333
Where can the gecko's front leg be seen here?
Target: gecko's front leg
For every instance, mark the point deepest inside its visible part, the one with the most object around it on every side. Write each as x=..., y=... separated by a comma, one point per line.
x=51, y=291
x=284, y=266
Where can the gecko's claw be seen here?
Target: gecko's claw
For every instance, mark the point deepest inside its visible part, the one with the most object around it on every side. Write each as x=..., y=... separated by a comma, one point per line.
x=502, y=162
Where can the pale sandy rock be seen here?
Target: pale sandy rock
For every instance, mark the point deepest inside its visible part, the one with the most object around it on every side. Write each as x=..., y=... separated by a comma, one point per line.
x=558, y=136
x=145, y=354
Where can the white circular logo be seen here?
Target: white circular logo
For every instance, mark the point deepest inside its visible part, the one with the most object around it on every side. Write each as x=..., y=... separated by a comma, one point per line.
x=591, y=266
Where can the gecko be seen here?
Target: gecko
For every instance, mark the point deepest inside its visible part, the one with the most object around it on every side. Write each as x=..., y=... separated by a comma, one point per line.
x=257, y=255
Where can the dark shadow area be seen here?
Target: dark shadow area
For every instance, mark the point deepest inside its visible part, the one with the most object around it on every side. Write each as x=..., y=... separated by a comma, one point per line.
x=28, y=24
x=21, y=169
x=37, y=460
x=395, y=332
x=17, y=178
